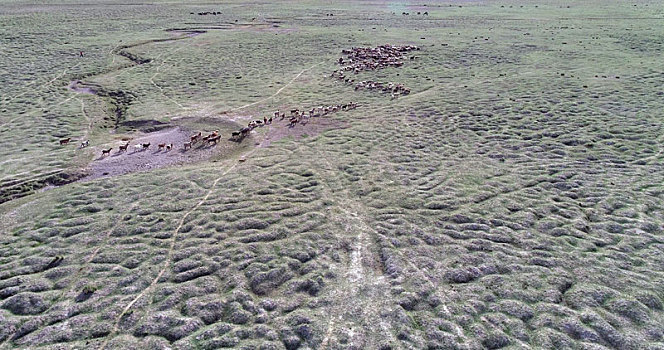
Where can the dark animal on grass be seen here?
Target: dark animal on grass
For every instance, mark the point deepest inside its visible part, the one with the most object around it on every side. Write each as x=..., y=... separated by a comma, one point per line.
x=85, y=143
x=123, y=148
x=270, y=120
x=186, y=145
x=65, y=141
x=161, y=146
x=214, y=139
x=293, y=121
x=236, y=134
x=55, y=262
x=146, y=145
x=265, y=120
x=106, y=152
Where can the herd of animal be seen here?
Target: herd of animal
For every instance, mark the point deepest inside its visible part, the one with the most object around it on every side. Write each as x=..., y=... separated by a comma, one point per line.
x=367, y=58
x=214, y=13
x=210, y=139
x=426, y=13
x=296, y=116
x=356, y=60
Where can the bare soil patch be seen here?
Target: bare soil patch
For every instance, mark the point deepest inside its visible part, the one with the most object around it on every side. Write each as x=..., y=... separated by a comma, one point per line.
x=137, y=159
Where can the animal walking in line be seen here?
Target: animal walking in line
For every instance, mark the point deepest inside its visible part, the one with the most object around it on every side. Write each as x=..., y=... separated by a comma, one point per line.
x=146, y=145
x=169, y=147
x=161, y=146
x=106, y=152
x=214, y=139
x=85, y=143
x=194, y=139
x=138, y=147
x=186, y=145
x=65, y=141
x=123, y=148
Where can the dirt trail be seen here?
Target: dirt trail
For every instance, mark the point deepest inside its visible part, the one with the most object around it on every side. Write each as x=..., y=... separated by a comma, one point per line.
x=232, y=163
x=361, y=257
x=278, y=91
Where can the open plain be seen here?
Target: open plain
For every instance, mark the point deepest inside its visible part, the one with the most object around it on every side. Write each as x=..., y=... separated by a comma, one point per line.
x=509, y=194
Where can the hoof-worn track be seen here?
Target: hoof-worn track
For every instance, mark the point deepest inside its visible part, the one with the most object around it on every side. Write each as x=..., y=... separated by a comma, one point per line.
x=512, y=200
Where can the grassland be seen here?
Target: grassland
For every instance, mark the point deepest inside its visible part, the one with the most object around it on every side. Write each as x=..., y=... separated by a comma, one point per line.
x=512, y=200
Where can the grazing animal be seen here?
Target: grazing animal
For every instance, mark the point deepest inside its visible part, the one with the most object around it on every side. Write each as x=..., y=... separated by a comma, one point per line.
x=85, y=143
x=146, y=145
x=161, y=146
x=169, y=147
x=236, y=134
x=265, y=120
x=293, y=121
x=123, y=148
x=186, y=145
x=270, y=120
x=106, y=152
x=65, y=141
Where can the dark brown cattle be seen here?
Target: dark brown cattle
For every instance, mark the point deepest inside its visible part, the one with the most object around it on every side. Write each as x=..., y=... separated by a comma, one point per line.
x=65, y=141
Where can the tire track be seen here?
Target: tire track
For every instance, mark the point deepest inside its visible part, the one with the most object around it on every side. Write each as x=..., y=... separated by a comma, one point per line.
x=356, y=210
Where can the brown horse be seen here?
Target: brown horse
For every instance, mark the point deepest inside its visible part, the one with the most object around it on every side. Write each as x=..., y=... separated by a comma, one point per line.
x=186, y=145
x=161, y=146
x=123, y=148
x=195, y=138
x=65, y=141
x=214, y=139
